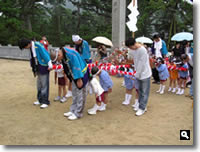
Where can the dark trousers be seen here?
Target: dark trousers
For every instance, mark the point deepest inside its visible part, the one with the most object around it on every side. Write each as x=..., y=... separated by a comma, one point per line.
x=155, y=75
x=144, y=89
x=43, y=88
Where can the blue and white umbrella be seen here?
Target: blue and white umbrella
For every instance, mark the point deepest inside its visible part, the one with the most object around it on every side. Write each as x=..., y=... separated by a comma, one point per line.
x=144, y=40
x=182, y=36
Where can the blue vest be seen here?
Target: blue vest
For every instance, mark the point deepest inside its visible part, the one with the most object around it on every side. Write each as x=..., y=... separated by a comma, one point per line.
x=42, y=54
x=76, y=63
x=164, y=50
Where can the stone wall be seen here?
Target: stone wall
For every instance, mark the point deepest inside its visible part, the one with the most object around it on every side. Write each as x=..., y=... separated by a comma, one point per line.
x=13, y=52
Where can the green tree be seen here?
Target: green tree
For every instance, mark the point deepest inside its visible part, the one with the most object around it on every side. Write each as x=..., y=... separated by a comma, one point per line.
x=154, y=19
x=88, y=18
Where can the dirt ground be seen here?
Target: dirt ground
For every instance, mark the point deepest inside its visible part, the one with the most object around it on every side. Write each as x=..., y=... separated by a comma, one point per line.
x=21, y=123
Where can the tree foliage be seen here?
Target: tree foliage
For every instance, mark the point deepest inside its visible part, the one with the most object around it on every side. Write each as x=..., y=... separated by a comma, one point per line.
x=165, y=17
x=88, y=18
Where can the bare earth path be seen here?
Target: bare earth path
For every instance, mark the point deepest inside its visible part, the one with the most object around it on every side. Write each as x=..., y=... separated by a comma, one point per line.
x=21, y=123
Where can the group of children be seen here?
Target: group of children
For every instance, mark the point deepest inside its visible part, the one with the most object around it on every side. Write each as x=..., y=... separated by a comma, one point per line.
x=100, y=88
x=176, y=70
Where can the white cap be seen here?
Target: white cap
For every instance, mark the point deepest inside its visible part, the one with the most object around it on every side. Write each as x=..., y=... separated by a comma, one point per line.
x=76, y=38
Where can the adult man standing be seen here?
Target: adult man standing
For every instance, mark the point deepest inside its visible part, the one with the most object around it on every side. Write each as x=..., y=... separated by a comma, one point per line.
x=45, y=42
x=159, y=46
x=77, y=71
x=41, y=64
x=82, y=47
x=143, y=73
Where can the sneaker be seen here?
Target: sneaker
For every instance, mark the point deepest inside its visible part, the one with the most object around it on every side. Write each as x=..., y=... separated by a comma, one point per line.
x=169, y=89
x=64, y=99
x=43, y=106
x=93, y=111
x=57, y=98
x=126, y=102
x=69, y=94
x=102, y=107
x=36, y=103
x=67, y=114
x=136, y=108
x=72, y=117
x=182, y=92
x=162, y=92
x=174, y=90
x=140, y=112
x=95, y=107
x=136, y=104
x=159, y=89
x=178, y=92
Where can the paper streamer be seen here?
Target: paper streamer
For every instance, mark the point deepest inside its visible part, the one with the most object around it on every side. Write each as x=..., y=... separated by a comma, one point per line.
x=57, y=67
x=133, y=7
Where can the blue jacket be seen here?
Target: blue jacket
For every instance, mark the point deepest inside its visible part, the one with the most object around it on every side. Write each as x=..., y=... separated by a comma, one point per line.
x=76, y=63
x=184, y=74
x=164, y=50
x=42, y=54
x=105, y=80
x=163, y=72
x=129, y=82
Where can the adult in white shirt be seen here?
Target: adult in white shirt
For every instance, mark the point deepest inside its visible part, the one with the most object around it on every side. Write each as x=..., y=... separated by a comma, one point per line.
x=143, y=73
x=160, y=47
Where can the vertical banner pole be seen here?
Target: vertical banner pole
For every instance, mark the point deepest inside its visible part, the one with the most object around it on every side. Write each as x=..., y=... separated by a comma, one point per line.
x=133, y=33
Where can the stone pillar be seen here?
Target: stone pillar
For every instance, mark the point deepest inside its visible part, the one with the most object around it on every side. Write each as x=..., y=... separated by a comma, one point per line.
x=118, y=22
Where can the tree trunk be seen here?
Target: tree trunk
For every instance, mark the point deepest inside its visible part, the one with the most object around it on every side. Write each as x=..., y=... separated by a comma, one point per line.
x=79, y=18
x=170, y=32
x=28, y=23
x=58, y=24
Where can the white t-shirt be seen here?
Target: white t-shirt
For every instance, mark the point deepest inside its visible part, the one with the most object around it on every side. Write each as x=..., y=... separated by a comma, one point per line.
x=158, y=47
x=187, y=50
x=98, y=90
x=141, y=63
x=190, y=55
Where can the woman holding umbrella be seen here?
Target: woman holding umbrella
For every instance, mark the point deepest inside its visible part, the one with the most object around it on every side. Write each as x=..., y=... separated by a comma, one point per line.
x=102, y=51
x=103, y=41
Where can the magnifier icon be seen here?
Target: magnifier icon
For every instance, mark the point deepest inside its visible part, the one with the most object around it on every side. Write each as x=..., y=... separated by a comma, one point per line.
x=184, y=134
